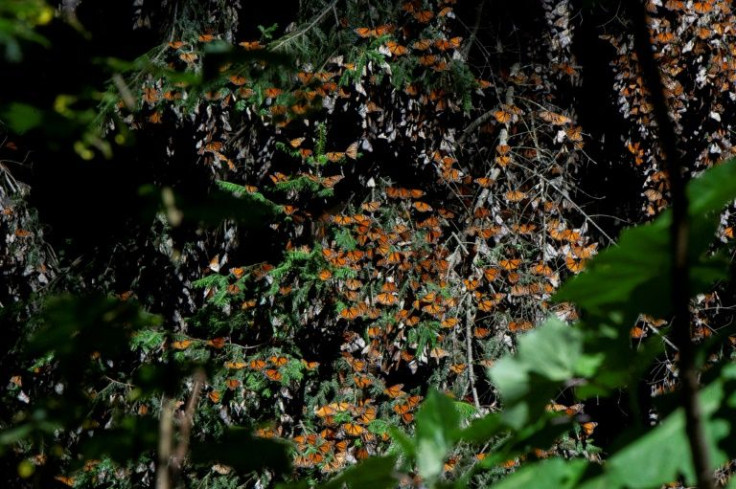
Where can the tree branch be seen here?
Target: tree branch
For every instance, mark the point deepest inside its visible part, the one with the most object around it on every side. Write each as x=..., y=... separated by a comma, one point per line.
x=694, y=424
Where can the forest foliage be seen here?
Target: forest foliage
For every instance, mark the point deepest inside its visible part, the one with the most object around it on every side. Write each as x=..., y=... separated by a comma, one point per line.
x=354, y=248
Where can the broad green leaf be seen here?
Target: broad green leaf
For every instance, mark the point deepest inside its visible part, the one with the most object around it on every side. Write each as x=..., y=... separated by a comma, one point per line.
x=554, y=473
x=663, y=454
x=524, y=393
x=713, y=190
x=551, y=350
x=483, y=429
x=547, y=356
x=437, y=426
x=21, y=118
x=372, y=473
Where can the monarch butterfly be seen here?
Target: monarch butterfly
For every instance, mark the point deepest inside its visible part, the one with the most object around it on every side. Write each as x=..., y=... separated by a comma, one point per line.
x=394, y=391
x=352, y=429
x=427, y=60
x=675, y=5
x=353, y=284
x=574, y=134
x=414, y=401
x=484, y=182
x=352, y=151
x=429, y=297
x=449, y=323
x=438, y=353
x=310, y=365
x=703, y=7
x=324, y=411
x=542, y=269
x=232, y=383
x=458, y=368
x=447, y=214
x=588, y=427
x=258, y=364
x=517, y=326
x=471, y=284
x=554, y=118
x=357, y=365
x=176, y=44
x=515, y=195
x=396, y=49
x=371, y=206
x=483, y=84
x=364, y=32
x=503, y=149
x=217, y=343
x=181, y=344
x=342, y=220
x=298, y=109
x=422, y=206
x=386, y=298
x=150, y=95
x=278, y=109
x=503, y=160
x=272, y=92
x=336, y=464
x=424, y=16
x=368, y=415
x=636, y=332
x=432, y=309
x=480, y=332
x=214, y=396
x=235, y=365
x=362, y=381
x=274, y=375
x=422, y=45
x=278, y=361
x=486, y=305
x=512, y=264
x=350, y=313
x=412, y=321
x=584, y=252
x=335, y=156
x=574, y=265
x=305, y=77
x=325, y=275
x=502, y=116
x=188, y=58
x=69, y=481
x=238, y=80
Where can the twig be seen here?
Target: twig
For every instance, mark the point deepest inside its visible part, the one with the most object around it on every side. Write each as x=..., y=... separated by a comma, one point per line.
x=474, y=32
x=306, y=29
x=186, y=424
x=469, y=320
x=694, y=424
x=165, y=443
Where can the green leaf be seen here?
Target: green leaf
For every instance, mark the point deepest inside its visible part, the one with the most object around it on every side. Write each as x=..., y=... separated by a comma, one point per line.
x=663, y=454
x=21, y=118
x=554, y=473
x=547, y=356
x=437, y=427
x=483, y=429
x=713, y=190
x=372, y=473
x=551, y=350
